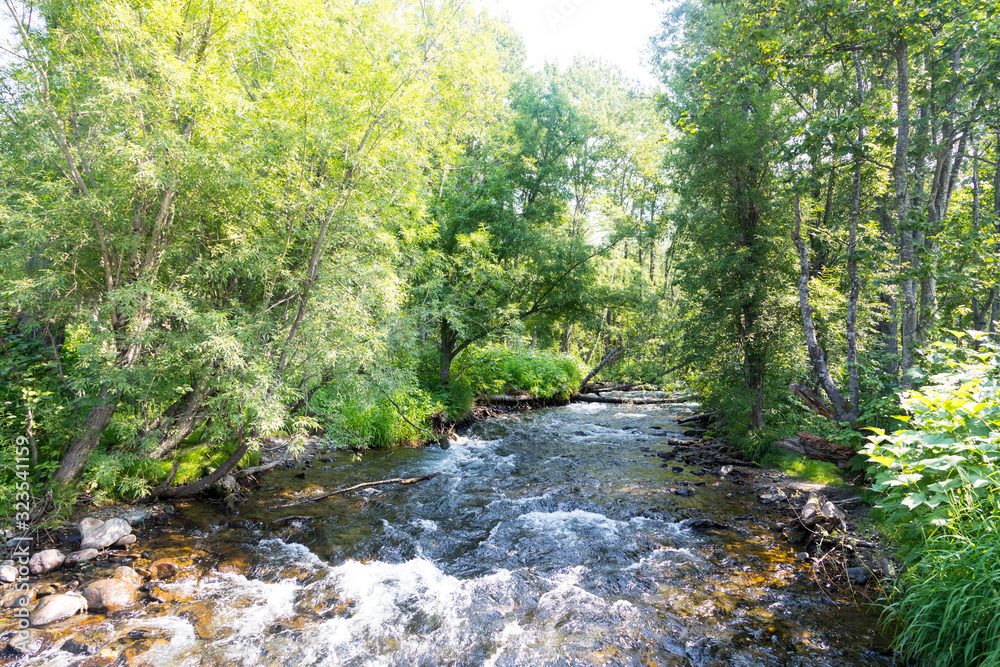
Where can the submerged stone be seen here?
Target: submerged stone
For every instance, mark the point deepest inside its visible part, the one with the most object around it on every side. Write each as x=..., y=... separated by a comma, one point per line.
x=57, y=608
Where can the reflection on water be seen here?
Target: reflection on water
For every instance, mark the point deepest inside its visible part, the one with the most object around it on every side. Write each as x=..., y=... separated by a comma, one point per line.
x=549, y=539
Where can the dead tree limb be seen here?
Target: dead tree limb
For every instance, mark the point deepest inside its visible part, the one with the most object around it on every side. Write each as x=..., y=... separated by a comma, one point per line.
x=398, y=480
x=609, y=358
x=582, y=398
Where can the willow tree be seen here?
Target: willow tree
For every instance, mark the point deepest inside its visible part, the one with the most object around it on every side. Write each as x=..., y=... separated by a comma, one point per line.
x=185, y=179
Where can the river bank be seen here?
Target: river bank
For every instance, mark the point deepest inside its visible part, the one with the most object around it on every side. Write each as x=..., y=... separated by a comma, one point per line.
x=587, y=533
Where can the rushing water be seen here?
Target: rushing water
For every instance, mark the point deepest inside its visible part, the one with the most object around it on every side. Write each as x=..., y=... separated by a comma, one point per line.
x=550, y=538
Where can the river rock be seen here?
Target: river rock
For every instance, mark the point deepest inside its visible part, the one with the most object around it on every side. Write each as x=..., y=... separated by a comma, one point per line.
x=163, y=569
x=88, y=524
x=126, y=541
x=35, y=643
x=45, y=561
x=76, y=648
x=110, y=595
x=57, y=608
x=135, y=517
x=129, y=575
x=44, y=590
x=106, y=534
x=8, y=574
x=17, y=598
x=81, y=556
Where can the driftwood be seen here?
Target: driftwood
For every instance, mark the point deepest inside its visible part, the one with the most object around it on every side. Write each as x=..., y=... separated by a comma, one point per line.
x=817, y=448
x=398, y=480
x=820, y=513
x=583, y=398
x=504, y=398
x=246, y=472
x=697, y=418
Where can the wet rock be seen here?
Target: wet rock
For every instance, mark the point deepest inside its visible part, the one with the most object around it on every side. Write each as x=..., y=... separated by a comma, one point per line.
x=44, y=590
x=106, y=534
x=773, y=495
x=677, y=469
x=88, y=524
x=126, y=541
x=45, y=561
x=725, y=470
x=684, y=491
x=57, y=608
x=18, y=598
x=158, y=594
x=110, y=595
x=163, y=569
x=76, y=648
x=135, y=517
x=858, y=575
x=8, y=574
x=703, y=525
x=81, y=556
x=128, y=575
x=36, y=642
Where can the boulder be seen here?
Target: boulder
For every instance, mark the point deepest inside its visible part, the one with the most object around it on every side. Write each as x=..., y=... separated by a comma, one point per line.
x=110, y=595
x=88, y=524
x=57, y=608
x=45, y=561
x=163, y=569
x=128, y=575
x=106, y=534
x=82, y=556
x=135, y=517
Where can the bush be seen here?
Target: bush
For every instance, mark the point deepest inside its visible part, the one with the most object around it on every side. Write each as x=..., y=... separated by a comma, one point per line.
x=941, y=492
x=951, y=448
x=501, y=370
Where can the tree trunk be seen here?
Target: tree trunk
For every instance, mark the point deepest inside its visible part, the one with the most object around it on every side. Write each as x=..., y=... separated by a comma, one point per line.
x=208, y=481
x=75, y=459
x=447, y=351
x=610, y=357
x=908, y=284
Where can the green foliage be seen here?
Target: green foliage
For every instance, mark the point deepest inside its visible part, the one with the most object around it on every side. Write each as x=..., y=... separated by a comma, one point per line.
x=947, y=602
x=502, y=370
x=949, y=452
x=362, y=416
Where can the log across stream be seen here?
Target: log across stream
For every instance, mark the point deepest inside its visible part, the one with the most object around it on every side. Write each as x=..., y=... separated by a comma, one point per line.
x=556, y=537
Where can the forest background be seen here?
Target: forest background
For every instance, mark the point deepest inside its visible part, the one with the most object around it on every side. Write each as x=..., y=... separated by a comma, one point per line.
x=222, y=222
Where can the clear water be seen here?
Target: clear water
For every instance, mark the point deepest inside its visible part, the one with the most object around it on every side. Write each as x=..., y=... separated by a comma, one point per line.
x=550, y=538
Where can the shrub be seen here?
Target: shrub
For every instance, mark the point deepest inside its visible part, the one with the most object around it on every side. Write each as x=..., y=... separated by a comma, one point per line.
x=501, y=370
x=951, y=448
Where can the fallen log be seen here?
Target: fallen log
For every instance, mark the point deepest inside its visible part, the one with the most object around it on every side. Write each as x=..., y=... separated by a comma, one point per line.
x=246, y=472
x=817, y=448
x=585, y=398
x=697, y=418
x=398, y=480
x=504, y=398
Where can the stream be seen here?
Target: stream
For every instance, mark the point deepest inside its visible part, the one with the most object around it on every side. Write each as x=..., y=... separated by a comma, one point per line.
x=549, y=538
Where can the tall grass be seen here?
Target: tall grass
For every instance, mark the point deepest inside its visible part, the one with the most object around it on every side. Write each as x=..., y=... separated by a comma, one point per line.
x=948, y=600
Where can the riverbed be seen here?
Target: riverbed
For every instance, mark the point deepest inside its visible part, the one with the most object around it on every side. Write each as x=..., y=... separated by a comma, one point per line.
x=554, y=537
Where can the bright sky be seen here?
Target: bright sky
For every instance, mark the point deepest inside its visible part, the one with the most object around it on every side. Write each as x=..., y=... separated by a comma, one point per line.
x=615, y=31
